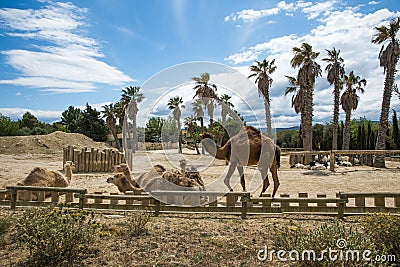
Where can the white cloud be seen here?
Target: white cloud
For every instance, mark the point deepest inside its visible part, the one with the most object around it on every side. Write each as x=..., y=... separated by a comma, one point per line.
x=347, y=30
x=42, y=115
x=373, y=3
x=70, y=64
x=313, y=11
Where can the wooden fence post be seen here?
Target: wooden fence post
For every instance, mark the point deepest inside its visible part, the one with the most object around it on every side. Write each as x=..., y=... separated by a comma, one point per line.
x=13, y=199
x=332, y=162
x=157, y=207
x=244, y=199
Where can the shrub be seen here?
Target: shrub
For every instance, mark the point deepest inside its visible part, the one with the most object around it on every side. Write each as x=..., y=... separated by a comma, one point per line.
x=56, y=235
x=384, y=229
x=4, y=226
x=135, y=225
x=326, y=238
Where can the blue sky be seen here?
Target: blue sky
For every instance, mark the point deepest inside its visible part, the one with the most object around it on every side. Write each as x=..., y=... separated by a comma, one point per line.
x=55, y=54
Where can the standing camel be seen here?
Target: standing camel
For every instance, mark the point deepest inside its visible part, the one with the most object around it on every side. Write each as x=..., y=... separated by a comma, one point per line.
x=248, y=147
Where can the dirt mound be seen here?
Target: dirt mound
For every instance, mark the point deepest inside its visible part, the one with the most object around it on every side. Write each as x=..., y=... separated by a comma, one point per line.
x=46, y=144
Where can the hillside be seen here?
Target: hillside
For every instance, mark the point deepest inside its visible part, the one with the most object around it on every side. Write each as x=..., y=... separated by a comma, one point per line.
x=46, y=144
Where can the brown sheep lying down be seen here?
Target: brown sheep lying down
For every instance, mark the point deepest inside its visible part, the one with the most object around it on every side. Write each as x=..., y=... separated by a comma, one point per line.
x=157, y=179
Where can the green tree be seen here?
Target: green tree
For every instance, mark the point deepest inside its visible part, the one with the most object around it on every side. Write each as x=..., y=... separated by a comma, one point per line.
x=207, y=93
x=318, y=136
x=169, y=130
x=109, y=112
x=335, y=70
x=349, y=101
x=29, y=121
x=153, y=130
x=297, y=100
x=71, y=119
x=190, y=123
x=262, y=70
x=92, y=125
x=175, y=104
x=305, y=59
x=7, y=126
x=388, y=57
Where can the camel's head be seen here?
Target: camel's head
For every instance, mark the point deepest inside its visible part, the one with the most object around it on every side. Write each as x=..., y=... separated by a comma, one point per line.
x=160, y=169
x=206, y=135
x=122, y=182
x=69, y=166
x=121, y=168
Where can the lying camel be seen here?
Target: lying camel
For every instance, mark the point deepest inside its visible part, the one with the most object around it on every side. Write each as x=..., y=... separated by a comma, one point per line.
x=43, y=177
x=157, y=179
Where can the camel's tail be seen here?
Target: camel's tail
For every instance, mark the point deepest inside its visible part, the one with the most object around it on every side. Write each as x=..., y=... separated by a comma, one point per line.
x=278, y=156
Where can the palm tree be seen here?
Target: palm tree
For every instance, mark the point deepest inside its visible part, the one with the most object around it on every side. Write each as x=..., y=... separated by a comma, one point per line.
x=109, y=113
x=226, y=106
x=207, y=93
x=199, y=112
x=349, y=101
x=335, y=70
x=130, y=97
x=305, y=58
x=175, y=104
x=388, y=58
x=297, y=98
x=190, y=123
x=262, y=70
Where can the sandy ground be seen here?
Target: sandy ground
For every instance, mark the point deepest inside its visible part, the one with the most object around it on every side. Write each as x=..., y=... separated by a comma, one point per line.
x=292, y=181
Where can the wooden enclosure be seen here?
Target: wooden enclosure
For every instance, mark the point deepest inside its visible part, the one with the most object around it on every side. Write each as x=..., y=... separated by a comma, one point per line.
x=233, y=202
x=92, y=159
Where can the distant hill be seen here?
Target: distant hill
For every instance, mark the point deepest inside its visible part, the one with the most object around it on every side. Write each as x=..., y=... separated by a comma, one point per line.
x=290, y=128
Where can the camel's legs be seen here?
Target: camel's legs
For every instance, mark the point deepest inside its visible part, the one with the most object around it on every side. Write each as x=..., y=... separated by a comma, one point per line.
x=264, y=176
x=241, y=174
x=274, y=171
x=231, y=169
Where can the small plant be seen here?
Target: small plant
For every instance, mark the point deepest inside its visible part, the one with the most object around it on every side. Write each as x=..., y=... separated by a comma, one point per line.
x=135, y=224
x=317, y=243
x=56, y=235
x=384, y=229
x=4, y=225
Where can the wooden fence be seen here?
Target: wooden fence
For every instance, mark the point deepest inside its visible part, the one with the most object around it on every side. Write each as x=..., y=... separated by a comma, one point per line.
x=364, y=156
x=93, y=160
x=234, y=202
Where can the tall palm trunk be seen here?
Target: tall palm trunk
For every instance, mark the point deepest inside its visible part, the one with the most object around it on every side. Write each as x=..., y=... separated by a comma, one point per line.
x=336, y=117
x=384, y=117
x=268, y=118
x=308, y=114
x=346, y=131
x=179, y=137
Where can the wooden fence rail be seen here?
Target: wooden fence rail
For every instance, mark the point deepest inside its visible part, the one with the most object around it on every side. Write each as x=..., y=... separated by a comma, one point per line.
x=364, y=155
x=234, y=202
x=92, y=160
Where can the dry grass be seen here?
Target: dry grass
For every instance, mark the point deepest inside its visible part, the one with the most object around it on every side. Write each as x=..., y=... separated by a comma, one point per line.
x=179, y=240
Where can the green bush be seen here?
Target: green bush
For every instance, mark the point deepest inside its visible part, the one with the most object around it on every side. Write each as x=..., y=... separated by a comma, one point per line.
x=338, y=239
x=56, y=235
x=135, y=225
x=384, y=229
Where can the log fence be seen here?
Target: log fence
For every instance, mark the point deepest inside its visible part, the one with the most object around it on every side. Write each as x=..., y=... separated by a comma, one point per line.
x=365, y=156
x=243, y=203
x=92, y=160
